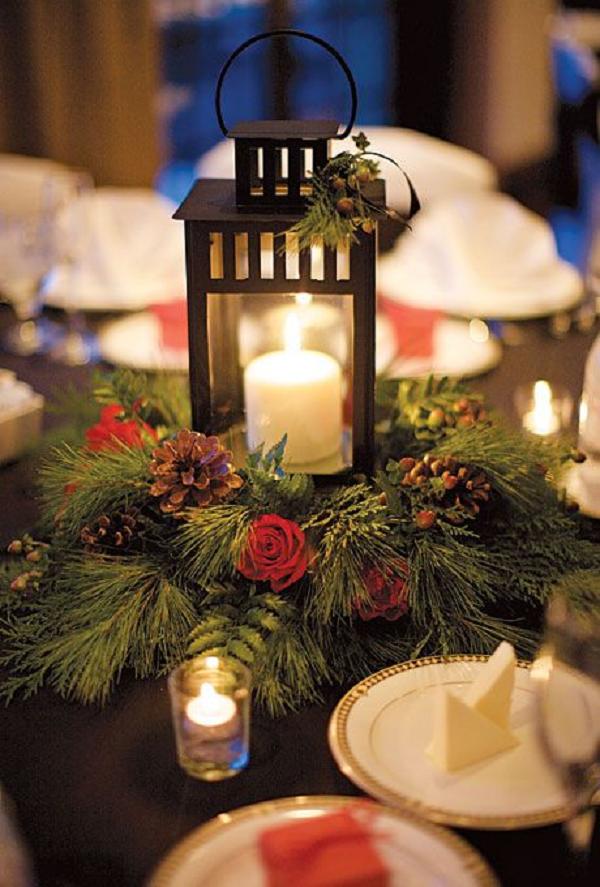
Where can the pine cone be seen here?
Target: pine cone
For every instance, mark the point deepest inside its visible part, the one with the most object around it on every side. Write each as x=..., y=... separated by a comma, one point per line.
x=455, y=488
x=117, y=531
x=192, y=470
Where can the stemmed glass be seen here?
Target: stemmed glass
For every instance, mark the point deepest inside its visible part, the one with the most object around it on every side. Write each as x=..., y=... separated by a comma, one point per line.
x=566, y=675
x=78, y=345
x=27, y=253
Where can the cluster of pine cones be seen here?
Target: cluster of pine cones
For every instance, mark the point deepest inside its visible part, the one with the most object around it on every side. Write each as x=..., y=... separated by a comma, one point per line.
x=455, y=490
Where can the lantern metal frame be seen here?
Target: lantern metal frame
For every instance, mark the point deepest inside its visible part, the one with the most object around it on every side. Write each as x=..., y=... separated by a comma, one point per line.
x=212, y=208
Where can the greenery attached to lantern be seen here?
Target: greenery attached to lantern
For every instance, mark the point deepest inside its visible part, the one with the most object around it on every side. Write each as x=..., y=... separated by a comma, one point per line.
x=156, y=547
x=340, y=204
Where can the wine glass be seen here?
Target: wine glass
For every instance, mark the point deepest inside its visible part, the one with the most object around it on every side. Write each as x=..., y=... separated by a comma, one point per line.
x=27, y=251
x=78, y=345
x=566, y=675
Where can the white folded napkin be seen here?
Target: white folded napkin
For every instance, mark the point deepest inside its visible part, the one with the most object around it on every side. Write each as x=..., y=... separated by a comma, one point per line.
x=479, y=254
x=436, y=168
x=122, y=251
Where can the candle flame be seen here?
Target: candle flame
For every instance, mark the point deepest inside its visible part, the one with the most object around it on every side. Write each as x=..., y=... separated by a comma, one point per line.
x=207, y=693
x=292, y=335
x=303, y=299
x=542, y=394
x=210, y=708
x=543, y=418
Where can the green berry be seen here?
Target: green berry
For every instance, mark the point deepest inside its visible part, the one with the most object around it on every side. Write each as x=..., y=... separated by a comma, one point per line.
x=436, y=418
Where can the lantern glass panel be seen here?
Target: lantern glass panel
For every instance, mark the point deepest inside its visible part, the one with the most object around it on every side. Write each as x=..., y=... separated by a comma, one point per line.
x=282, y=363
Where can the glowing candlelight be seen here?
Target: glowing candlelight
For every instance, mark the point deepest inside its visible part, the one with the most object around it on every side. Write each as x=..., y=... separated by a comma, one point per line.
x=210, y=708
x=298, y=393
x=543, y=418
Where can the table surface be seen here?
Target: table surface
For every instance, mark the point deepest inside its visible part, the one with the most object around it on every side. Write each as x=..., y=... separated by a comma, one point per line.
x=98, y=793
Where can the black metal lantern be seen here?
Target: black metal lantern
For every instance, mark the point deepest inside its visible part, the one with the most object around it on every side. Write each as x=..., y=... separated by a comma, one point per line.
x=281, y=340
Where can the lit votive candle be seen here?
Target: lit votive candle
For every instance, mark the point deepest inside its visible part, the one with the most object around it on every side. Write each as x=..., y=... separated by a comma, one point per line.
x=543, y=413
x=298, y=393
x=210, y=709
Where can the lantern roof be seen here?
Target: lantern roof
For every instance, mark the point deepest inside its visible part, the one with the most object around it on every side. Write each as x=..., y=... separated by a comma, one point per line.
x=213, y=200
x=285, y=129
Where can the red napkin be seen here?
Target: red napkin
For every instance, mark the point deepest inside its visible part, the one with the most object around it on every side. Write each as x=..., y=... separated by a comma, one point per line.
x=326, y=851
x=413, y=327
x=173, y=322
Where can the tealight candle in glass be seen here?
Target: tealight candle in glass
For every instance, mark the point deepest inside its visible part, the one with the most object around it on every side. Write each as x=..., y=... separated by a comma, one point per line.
x=543, y=409
x=210, y=706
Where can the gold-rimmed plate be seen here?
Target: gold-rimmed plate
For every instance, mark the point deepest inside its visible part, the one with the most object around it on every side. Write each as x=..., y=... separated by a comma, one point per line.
x=380, y=729
x=224, y=852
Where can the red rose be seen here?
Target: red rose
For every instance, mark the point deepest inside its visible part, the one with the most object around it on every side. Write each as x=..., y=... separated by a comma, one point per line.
x=388, y=591
x=276, y=552
x=112, y=431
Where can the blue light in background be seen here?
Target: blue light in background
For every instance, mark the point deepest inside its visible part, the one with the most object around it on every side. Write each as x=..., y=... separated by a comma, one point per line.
x=194, y=48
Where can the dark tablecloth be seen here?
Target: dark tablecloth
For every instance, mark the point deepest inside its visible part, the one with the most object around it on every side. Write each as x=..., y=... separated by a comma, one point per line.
x=98, y=793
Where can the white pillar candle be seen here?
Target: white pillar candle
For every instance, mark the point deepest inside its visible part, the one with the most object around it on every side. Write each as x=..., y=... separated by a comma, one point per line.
x=298, y=393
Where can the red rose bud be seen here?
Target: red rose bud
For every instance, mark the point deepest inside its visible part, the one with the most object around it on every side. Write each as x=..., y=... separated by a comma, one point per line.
x=276, y=552
x=425, y=519
x=388, y=592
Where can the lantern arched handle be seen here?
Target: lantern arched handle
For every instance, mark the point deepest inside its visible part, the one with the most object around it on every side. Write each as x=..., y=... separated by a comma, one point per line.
x=288, y=32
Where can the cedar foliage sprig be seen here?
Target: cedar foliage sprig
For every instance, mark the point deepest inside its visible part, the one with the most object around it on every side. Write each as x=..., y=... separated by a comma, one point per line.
x=339, y=205
x=351, y=530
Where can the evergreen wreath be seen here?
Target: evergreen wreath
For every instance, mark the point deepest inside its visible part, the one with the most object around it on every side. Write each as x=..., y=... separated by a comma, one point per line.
x=156, y=548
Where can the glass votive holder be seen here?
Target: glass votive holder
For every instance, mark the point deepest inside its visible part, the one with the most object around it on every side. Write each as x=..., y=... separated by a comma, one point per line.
x=543, y=409
x=210, y=706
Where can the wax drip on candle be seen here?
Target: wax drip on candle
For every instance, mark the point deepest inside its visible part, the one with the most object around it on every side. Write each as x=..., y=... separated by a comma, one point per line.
x=210, y=708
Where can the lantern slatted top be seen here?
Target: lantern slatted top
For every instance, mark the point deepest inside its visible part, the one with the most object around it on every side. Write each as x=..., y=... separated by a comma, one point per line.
x=274, y=159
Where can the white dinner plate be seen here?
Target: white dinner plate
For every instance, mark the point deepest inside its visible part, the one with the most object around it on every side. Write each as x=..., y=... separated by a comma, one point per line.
x=134, y=341
x=224, y=852
x=380, y=729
